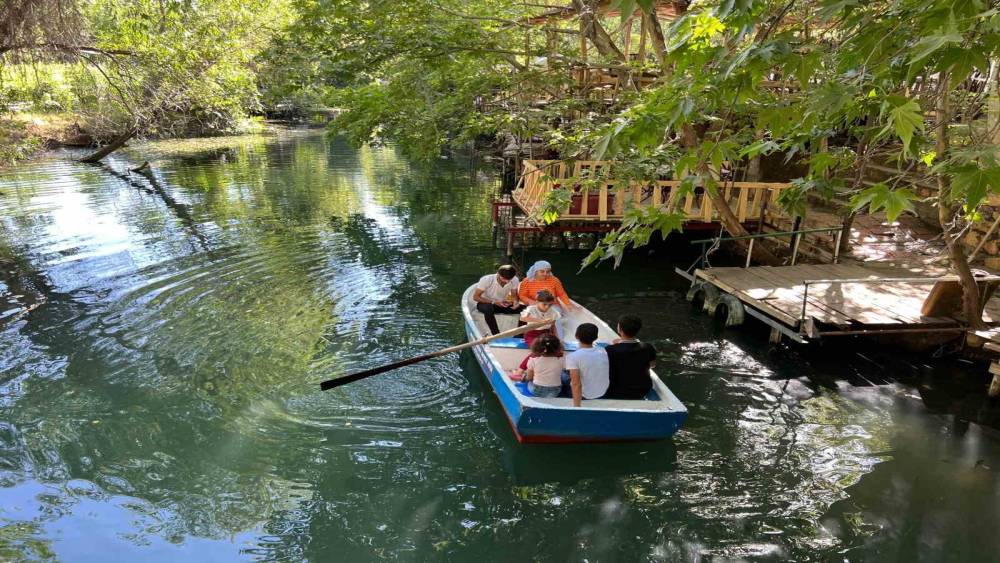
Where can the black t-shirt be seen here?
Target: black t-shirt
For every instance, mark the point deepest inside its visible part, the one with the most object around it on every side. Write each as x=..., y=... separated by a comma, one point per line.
x=629, y=363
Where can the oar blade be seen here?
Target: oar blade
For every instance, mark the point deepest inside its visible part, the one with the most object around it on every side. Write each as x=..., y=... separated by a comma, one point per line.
x=331, y=383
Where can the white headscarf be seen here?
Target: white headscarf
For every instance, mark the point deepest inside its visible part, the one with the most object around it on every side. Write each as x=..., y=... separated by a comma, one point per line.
x=540, y=265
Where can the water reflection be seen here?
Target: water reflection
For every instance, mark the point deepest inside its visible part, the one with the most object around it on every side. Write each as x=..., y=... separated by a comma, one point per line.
x=162, y=337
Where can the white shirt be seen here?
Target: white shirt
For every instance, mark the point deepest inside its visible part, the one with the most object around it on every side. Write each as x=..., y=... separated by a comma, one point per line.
x=594, y=370
x=547, y=370
x=493, y=291
x=534, y=312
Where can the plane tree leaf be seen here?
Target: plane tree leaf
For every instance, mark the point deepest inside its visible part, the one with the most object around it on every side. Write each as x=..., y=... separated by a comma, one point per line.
x=972, y=183
x=880, y=197
x=903, y=118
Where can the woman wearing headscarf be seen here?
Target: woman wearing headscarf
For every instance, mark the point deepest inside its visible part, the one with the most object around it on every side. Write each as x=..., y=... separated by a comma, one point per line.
x=540, y=277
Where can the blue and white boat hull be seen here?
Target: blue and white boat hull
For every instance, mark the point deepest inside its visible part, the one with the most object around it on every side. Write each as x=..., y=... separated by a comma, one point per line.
x=535, y=419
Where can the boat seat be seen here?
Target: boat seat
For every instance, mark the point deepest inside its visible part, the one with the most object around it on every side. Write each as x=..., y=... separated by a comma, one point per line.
x=519, y=343
x=509, y=343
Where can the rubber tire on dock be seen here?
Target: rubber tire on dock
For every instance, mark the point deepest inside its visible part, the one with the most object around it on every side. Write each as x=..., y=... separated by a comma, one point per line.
x=735, y=312
x=708, y=293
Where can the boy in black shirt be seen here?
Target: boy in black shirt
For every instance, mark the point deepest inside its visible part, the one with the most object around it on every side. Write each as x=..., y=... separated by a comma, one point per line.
x=630, y=362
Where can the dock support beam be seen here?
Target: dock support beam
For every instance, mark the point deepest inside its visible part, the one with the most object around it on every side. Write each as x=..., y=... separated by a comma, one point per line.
x=775, y=337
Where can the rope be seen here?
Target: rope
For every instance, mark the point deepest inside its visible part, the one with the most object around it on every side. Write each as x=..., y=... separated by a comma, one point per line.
x=715, y=246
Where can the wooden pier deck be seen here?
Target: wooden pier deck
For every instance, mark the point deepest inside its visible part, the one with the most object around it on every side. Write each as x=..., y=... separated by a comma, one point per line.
x=989, y=341
x=812, y=301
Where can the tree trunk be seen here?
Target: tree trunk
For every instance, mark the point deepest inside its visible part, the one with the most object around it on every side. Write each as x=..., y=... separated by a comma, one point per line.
x=729, y=220
x=845, y=232
x=593, y=30
x=970, y=289
x=655, y=33
x=993, y=102
x=115, y=144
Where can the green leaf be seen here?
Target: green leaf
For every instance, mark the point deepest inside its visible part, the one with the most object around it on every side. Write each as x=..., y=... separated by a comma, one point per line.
x=760, y=147
x=927, y=45
x=821, y=162
x=879, y=197
x=830, y=8
x=806, y=67
x=686, y=165
x=904, y=118
x=972, y=183
x=626, y=8
x=704, y=28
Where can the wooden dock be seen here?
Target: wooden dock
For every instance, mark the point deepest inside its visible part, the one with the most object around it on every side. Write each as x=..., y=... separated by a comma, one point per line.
x=822, y=300
x=989, y=340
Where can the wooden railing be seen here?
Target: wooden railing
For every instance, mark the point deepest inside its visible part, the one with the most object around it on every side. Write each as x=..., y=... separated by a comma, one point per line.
x=608, y=199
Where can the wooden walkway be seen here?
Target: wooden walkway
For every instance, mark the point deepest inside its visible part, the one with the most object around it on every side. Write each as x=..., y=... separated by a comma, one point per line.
x=596, y=198
x=856, y=299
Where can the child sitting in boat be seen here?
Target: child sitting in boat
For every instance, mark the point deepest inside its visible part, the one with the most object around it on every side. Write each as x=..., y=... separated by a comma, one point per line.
x=545, y=366
x=588, y=366
x=542, y=310
x=630, y=361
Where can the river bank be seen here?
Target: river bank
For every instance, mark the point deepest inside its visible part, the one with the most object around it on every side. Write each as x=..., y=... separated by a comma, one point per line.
x=26, y=135
x=23, y=136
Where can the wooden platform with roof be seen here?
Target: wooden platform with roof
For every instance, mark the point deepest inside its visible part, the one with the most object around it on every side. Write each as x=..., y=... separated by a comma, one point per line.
x=598, y=203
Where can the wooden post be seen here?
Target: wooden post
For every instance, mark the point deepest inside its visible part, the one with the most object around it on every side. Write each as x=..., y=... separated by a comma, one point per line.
x=627, y=37
x=763, y=214
x=796, y=224
x=642, y=42
x=510, y=243
x=775, y=337
x=742, y=204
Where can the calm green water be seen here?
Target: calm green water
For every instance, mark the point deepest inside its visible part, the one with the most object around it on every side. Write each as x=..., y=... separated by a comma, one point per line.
x=159, y=400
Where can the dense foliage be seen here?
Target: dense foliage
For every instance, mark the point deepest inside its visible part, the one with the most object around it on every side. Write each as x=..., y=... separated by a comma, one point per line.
x=831, y=84
x=430, y=74
x=161, y=68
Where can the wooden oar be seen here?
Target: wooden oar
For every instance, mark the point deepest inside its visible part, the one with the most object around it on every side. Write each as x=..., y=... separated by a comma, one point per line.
x=331, y=383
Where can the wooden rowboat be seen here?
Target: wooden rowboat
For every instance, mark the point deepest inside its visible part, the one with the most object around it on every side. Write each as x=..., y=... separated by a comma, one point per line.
x=535, y=419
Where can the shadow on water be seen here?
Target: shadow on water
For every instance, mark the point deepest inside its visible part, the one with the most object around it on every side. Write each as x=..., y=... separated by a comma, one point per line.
x=530, y=464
